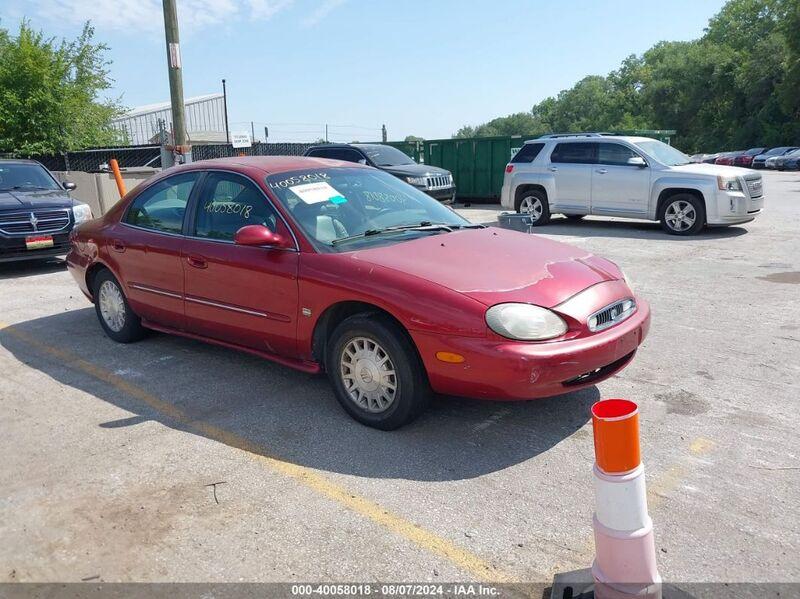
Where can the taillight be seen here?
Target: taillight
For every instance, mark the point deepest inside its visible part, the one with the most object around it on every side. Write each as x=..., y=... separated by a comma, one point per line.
x=509, y=168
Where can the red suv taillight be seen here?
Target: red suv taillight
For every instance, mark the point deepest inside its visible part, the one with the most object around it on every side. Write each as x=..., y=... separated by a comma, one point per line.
x=509, y=168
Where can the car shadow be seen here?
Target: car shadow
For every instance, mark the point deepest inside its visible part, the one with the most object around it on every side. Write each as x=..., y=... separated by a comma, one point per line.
x=628, y=229
x=253, y=404
x=30, y=268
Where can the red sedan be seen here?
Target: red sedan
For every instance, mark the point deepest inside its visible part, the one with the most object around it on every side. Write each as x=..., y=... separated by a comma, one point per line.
x=328, y=265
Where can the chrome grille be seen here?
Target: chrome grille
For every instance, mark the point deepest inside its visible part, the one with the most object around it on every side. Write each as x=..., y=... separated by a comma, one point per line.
x=755, y=187
x=34, y=221
x=611, y=315
x=439, y=182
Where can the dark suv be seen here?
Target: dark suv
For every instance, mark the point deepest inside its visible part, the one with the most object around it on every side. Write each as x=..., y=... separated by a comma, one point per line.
x=435, y=181
x=36, y=212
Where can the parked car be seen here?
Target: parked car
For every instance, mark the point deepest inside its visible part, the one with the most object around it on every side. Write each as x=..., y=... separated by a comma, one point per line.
x=745, y=159
x=328, y=265
x=760, y=160
x=772, y=162
x=782, y=163
x=727, y=158
x=711, y=158
x=436, y=182
x=632, y=177
x=36, y=212
x=792, y=161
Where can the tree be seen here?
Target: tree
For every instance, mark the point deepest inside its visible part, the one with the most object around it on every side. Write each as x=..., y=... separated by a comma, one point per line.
x=413, y=138
x=50, y=93
x=733, y=88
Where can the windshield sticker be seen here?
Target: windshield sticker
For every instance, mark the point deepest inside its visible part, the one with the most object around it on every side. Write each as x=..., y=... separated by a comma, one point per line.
x=315, y=193
x=298, y=179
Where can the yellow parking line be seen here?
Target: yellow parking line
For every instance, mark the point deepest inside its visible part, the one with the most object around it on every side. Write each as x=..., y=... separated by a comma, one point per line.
x=461, y=558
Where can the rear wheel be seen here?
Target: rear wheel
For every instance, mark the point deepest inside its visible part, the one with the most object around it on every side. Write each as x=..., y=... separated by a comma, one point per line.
x=535, y=205
x=683, y=214
x=113, y=311
x=376, y=373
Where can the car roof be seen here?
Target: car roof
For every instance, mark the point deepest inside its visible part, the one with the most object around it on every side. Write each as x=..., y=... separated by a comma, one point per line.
x=18, y=161
x=270, y=165
x=590, y=138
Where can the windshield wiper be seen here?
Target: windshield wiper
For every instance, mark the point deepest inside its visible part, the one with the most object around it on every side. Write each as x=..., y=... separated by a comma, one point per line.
x=423, y=226
x=13, y=187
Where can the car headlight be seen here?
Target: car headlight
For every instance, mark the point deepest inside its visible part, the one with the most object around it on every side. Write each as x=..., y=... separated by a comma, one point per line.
x=525, y=322
x=82, y=213
x=729, y=184
x=418, y=181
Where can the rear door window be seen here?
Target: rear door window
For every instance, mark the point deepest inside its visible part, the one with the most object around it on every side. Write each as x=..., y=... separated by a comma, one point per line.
x=161, y=207
x=527, y=153
x=574, y=153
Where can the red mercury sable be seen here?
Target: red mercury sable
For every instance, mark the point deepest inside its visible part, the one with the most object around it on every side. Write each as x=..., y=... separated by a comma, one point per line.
x=327, y=265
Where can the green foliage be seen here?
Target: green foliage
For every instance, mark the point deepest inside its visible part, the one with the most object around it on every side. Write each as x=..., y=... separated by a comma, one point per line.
x=738, y=86
x=49, y=93
x=413, y=138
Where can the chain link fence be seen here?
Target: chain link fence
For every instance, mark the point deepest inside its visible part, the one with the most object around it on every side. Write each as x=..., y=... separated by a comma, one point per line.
x=96, y=159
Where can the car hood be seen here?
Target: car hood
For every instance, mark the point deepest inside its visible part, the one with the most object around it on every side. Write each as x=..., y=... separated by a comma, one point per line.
x=18, y=199
x=414, y=170
x=495, y=265
x=715, y=170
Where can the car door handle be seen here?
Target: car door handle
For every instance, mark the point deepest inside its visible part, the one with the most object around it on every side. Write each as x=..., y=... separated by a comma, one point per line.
x=117, y=246
x=553, y=169
x=197, y=261
x=602, y=171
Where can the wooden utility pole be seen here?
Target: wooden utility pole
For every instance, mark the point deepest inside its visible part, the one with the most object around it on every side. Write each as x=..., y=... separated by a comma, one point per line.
x=181, y=144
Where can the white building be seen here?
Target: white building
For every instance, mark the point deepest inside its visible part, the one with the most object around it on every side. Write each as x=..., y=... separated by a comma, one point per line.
x=205, y=121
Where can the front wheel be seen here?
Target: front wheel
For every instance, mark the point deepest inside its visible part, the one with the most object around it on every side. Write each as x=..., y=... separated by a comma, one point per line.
x=535, y=205
x=683, y=214
x=376, y=373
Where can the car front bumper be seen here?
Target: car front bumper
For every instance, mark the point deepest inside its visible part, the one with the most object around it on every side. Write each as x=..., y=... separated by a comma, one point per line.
x=735, y=207
x=511, y=370
x=13, y=248
x=443, y=194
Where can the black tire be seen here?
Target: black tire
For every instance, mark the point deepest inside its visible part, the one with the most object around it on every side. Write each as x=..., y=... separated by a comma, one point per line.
x=132, y=329
x=699, y=214
x=575, y=217
x=412, y=392
x=532, y=197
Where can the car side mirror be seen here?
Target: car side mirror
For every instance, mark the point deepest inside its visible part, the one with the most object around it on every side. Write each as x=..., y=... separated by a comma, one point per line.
x=637, y=161
x=69, y=185
x=259, y=235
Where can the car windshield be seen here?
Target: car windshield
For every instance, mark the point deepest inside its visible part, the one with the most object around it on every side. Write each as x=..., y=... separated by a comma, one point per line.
x=23, y=176
x=663, y=153
x=775, y=151
x=386, y=155
x=341, y=209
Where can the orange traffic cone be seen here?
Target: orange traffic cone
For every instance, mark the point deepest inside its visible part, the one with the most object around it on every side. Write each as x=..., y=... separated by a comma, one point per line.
x=625, y=553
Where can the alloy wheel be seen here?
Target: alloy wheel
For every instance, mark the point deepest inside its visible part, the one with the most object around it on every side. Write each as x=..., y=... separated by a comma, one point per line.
x=680, y=215
x=532, y=206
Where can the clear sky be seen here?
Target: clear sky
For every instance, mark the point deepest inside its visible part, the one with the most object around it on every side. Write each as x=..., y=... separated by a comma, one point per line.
x=422, y=67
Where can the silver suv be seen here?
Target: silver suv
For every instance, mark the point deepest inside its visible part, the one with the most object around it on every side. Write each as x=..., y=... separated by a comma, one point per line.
x=630, y=177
